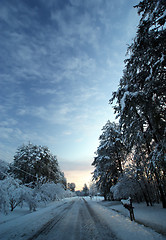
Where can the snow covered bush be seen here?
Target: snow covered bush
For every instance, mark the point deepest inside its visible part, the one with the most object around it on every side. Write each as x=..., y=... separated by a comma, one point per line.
x=10, y=194
x=31, y=198
x=69, y=194
x=51, y=191
x=124, y=188
x=13, y=193
x=4, y=200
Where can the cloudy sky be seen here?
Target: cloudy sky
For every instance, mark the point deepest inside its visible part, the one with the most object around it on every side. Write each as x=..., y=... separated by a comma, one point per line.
x=60, y=61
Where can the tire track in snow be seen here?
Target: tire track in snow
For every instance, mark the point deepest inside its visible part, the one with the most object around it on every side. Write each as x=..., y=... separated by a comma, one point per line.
x=76, y=221
x=49, y=225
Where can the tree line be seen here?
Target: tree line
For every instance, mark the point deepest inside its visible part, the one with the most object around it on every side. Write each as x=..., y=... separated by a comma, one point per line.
x=130, y=159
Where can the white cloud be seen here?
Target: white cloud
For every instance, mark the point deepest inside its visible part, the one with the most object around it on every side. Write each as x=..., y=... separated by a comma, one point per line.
x=80, y=29
x=8, y=122
x=45, y=91
x=4, y=14
x=67, y=133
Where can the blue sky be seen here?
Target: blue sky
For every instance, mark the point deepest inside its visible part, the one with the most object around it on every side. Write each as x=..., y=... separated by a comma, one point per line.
x=60, y=61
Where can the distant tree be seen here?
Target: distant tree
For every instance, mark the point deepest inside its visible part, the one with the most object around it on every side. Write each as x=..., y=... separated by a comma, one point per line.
x=63, y=180
x=85, y=190
x=32, y=162
x=93, y=189
x=71, y=186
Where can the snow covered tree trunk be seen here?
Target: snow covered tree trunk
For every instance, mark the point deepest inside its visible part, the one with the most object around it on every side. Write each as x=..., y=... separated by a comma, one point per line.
x=162, y=194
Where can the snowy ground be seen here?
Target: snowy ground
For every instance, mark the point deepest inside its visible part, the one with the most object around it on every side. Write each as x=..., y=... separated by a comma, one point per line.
x=153, y=217
x=85, y=219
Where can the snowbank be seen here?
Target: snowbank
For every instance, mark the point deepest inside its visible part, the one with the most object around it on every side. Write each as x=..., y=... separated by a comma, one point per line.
x=18, y=224
x=153, y=217
x=123, y=227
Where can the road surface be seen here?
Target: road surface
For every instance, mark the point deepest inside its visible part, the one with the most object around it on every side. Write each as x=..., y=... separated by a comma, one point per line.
x=75, y=220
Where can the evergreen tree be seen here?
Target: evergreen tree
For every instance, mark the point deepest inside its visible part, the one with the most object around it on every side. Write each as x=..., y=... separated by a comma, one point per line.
x=71, y=186
x=141, y=96
x=85, y=190
x=110, y=155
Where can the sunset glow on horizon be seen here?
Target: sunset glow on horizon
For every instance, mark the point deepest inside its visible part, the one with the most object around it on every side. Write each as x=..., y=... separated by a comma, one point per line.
x=79, y=178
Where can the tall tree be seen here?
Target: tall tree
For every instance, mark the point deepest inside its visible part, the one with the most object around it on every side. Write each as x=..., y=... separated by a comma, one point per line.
x=110, y=155
x=141, y=96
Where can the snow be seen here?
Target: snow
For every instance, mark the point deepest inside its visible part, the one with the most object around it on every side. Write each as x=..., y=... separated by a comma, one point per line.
x=127, y=94
x=123, y=101
x=125, y=201
x=18, y=225
x=125, y=229
x=151, y=216
x=22, y=224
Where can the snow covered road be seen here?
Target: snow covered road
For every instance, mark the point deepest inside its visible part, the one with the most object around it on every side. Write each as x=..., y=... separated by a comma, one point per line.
x=75, y=219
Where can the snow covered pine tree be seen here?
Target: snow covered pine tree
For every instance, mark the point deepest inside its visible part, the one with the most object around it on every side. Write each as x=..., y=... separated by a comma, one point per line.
x=141, y=97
